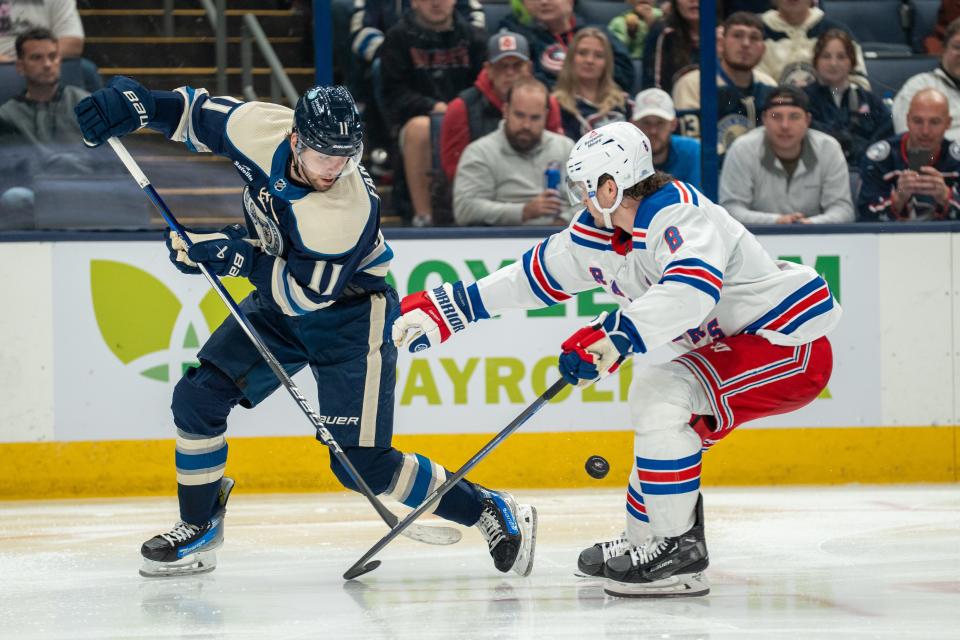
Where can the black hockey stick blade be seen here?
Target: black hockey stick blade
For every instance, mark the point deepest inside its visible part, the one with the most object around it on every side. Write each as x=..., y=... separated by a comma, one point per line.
x=355, y=571
x=362, y=565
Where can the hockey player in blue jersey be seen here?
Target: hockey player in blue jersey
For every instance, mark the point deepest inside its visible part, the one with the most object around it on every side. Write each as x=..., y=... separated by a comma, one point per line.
x=312, y=248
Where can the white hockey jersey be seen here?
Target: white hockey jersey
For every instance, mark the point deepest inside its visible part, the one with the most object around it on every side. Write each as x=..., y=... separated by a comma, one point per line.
x=690, y=274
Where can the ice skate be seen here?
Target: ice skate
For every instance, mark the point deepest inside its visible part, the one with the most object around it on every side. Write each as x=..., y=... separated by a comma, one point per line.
x=591, y=560
x=187, y=549
x=510, y=530
x=662, y=567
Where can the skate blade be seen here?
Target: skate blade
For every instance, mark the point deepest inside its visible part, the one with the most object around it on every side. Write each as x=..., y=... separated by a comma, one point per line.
x=679, y=586
x=432, y=534
x=194, y=564
x=528, y=546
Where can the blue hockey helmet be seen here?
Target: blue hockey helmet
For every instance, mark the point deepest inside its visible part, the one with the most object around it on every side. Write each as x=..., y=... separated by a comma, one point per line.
x=326, y=120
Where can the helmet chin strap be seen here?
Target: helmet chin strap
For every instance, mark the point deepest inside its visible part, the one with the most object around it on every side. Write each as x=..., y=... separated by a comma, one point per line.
x=607, y=212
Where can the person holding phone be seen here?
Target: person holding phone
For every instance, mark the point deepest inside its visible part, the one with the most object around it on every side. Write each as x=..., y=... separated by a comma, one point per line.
x=915, y=175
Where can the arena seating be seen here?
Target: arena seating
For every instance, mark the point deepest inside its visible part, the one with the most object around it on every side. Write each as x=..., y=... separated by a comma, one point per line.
x=887, y=74
x=924, y=18
x=876, y=25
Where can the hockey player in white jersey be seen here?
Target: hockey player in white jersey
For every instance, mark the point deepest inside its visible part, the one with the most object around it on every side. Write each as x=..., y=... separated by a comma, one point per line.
x=319, y=265
x=684, y=272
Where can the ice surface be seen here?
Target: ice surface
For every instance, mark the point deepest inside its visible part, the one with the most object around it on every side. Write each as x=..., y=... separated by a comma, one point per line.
x=799, y=563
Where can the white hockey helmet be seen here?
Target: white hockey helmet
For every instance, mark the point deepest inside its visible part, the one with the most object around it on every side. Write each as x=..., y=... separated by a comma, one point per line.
x=618, y=149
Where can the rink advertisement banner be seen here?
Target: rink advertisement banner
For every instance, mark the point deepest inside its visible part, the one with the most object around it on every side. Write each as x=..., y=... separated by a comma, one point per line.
x=127, y=324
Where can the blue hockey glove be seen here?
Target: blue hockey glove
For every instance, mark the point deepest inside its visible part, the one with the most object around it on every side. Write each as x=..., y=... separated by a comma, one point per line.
x=123, y=106
x=226, y=253
x=595, y=351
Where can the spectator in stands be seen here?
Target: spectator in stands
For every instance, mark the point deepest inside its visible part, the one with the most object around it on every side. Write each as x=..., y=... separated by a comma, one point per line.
x=631, y=27
x=44, y=113
x=653, y=113
x=851, y=114
x=60, y=17
x=478, y=110
x=588, y=96
x=38, y=129
x=914, y=175
x=784, y=172
x=372, y=18
x=946, y=79
x=500, y=178
x=551, y=30
x=741, y=89
x=790, y=32
x=428, y=58
x=673, y=46
x=949, y=11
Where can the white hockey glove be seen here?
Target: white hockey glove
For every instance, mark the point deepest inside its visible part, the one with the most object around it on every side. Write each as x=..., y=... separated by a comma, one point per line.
x=429, y=317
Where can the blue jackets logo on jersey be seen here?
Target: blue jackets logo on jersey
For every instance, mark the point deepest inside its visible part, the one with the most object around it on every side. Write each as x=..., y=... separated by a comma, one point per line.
x=261, y=213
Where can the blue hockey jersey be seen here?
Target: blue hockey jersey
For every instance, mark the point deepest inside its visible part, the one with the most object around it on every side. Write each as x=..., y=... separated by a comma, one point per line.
x=880, y=169
x=314, y=246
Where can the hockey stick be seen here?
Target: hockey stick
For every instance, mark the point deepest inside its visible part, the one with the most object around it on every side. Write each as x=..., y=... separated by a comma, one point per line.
x=427, y=534
x=361, y=566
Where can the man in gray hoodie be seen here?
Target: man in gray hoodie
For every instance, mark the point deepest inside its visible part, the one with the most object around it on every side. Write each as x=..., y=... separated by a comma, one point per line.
x=37, y=128
x=784, y=172
x=501, y=179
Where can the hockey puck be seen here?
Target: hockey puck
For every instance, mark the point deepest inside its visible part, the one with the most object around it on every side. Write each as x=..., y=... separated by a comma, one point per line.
x=597, y=467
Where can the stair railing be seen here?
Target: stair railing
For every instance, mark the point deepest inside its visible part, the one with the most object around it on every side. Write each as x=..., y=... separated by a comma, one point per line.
x=251, y=32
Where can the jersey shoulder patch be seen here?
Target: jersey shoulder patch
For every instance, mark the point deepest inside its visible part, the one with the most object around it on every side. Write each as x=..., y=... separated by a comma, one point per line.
x=256, y=128
x=879, y=151
x=955, y=150
x=330, y=223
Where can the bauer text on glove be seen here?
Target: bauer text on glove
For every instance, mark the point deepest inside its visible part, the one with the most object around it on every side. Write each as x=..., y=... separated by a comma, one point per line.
x=430, y=317
x=123, y=106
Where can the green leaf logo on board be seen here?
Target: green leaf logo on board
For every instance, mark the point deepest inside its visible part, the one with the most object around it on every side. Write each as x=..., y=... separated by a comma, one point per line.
x=146, y=326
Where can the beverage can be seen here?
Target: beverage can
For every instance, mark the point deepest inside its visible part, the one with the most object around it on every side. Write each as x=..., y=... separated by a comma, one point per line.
x=551, y=176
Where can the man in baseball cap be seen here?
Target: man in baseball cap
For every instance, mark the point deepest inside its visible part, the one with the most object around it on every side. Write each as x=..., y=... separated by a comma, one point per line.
x=506, y=44
x=477, y=111
x=653, y=113
x=787, y=96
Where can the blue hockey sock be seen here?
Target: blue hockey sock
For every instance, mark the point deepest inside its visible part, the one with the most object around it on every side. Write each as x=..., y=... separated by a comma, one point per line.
x=410, y=478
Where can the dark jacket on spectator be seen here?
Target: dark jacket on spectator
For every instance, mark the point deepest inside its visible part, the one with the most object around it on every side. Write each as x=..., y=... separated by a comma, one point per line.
x=880, y=169
x=371, y=18
x=476, y=112
x=663, y=64
x=860, y=119
x=548, y=51
x=423, y=67
x=576, y=125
